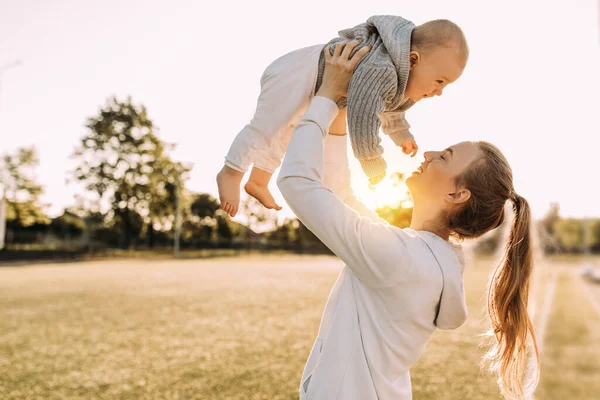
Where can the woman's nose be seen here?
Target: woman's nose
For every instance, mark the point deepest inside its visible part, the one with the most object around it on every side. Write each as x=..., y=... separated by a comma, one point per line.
x=427, y=155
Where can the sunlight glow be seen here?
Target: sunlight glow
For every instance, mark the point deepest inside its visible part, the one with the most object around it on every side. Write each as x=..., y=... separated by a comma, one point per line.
x=387, y=193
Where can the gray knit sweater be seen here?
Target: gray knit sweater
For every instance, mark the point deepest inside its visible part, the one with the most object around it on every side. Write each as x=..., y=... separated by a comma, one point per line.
x=376, y=91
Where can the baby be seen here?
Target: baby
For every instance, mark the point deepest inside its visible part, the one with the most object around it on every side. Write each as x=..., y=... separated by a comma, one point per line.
x=404, y=65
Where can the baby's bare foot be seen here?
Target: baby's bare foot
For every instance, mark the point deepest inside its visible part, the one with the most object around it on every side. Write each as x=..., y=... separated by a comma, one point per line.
x=228, y=181
x=262, y=194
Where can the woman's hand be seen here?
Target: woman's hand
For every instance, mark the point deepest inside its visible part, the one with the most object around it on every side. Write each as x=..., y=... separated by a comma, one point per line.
x=339, y=68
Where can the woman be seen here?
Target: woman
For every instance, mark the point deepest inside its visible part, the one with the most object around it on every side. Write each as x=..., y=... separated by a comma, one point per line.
x=399, y=285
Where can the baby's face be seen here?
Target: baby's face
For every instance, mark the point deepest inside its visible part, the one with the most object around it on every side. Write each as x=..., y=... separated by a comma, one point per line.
x=431, y=73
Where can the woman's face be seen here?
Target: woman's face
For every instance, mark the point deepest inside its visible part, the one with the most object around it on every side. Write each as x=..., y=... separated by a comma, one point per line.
x=434, y=180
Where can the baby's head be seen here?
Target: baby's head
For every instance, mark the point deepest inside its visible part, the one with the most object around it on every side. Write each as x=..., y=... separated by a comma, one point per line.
x=438, y=55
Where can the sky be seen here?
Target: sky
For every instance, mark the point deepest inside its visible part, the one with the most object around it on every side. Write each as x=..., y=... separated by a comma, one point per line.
x=531, y=86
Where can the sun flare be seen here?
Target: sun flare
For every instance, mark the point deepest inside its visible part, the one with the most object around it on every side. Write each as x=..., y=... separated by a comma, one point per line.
x=389, y=192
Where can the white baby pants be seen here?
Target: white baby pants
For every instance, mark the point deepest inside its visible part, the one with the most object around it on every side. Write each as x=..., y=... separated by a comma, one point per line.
x=286, y=87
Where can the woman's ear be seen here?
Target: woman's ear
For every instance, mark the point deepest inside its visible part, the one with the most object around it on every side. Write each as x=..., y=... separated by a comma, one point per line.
x=459, y=197
x=415, y=57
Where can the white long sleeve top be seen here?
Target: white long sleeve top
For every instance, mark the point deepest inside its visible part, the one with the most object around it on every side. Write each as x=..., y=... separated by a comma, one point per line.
x=398, y=285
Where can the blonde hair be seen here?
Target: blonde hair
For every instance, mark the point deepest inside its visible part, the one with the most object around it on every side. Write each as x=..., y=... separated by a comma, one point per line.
x=439, y=33
x=490, y=180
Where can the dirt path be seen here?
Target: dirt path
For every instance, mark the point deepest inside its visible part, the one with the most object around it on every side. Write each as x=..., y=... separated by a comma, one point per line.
x=593, y=292
x=541, y=317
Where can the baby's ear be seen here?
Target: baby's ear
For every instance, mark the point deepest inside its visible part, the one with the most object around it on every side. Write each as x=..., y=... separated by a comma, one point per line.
x=415, y=57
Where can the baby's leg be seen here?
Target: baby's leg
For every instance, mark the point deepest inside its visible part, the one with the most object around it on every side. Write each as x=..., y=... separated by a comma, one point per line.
x=268, y=160
x=295, y=74
x=285, y=88
x=258, y=187
x=272, y=112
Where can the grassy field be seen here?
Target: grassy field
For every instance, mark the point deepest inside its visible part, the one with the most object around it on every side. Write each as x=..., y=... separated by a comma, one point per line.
x=571, y=357
x=240, y=328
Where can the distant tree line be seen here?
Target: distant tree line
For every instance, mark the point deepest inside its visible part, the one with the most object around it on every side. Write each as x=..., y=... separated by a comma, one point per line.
x=133, y=189
x=568, y=235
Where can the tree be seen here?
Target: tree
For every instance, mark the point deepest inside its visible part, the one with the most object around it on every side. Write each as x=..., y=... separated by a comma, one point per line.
x=570, y=234
x=224, y=229
x=397, y=216
x=553, y=215
x=286, y=233
x=168, y=187
x=68, y=225
x=401, y=215
x=21, y=191
x=202, y=221
x=96, y=229
x=595, y=235
x=259, y=218
x=204, y=206
x=547, y=229
x=123, y=161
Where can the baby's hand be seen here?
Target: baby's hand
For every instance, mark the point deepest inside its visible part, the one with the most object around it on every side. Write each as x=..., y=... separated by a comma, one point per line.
x=410, y=146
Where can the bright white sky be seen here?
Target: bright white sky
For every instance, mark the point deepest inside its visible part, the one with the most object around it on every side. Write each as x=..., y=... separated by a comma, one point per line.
x=531, y=87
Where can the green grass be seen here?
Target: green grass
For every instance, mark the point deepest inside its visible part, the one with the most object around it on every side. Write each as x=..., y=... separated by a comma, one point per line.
x=225, y=328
